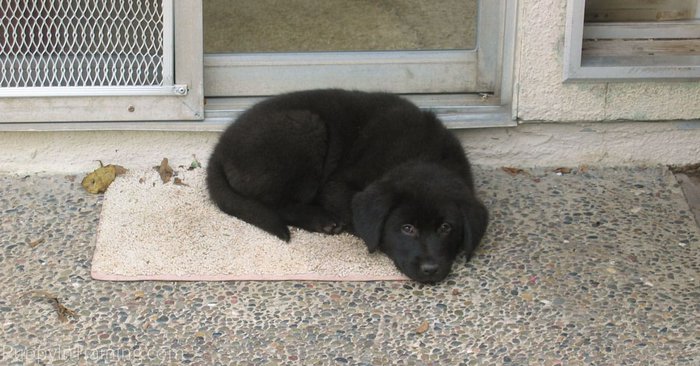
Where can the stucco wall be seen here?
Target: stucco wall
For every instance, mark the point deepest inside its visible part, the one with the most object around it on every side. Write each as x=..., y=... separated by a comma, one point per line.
x=529, y=145
x=540, y=94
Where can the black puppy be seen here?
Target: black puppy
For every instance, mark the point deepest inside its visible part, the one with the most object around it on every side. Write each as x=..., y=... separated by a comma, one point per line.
x=372, y=164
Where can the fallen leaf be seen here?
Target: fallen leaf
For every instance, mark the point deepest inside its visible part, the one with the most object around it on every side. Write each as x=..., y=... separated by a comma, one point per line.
x=512, y=171
x=563, y=170
x=62, y=311
x=516, y=171
x=527, y=296
x=35, y=243
x=99, y=180
x=138, y=295
x=179, y=182
x=165, y=171
x=423, y=327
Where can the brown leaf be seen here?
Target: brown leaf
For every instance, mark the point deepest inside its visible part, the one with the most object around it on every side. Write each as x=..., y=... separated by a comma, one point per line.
x=179, y=182
x=423, y=327
x=139, y=295
x=512, y=171
x=35, y=243
x=563, y=170
x=119, y=170
x=62, y=311
x=527, y=296
x=165, y=171
x=516, y=171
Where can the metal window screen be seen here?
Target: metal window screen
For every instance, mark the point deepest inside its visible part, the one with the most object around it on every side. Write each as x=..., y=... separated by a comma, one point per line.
x=50, y=45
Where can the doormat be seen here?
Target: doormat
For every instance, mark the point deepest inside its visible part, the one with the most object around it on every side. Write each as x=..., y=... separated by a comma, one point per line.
x=150, y=230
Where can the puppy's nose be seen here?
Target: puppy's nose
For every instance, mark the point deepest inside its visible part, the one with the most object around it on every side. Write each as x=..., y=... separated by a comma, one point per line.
x=429, y=268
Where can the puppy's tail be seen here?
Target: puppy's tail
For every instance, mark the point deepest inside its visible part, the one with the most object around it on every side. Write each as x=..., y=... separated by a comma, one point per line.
x=244, y=208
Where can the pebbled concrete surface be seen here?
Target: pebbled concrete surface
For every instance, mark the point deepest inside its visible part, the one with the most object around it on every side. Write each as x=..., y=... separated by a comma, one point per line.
x=593, y=267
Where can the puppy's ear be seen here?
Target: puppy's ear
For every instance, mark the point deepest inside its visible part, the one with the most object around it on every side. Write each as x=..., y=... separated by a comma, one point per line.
x=369, y=211
x=476, y=219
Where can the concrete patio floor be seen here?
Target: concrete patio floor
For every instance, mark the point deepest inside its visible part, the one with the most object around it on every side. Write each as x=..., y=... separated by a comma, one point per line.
x=593, y=267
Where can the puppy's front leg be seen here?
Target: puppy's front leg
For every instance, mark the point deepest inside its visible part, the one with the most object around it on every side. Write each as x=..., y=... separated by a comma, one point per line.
x=336, y=198
x=311, y=218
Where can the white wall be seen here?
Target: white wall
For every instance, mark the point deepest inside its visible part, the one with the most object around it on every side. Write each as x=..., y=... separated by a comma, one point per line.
x=540, y=94
x=529, y=145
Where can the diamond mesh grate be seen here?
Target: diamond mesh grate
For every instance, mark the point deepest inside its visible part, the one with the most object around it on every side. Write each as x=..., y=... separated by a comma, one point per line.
x=81, y=43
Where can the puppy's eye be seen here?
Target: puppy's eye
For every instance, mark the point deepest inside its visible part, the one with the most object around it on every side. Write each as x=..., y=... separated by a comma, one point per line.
x=445, y=228
x=409, y=230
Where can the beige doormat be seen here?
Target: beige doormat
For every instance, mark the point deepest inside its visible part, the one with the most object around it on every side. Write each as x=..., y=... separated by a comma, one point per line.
x=149, y=230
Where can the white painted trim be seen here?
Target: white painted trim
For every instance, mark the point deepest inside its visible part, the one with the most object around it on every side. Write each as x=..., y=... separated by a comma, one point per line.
x=168, y=43
x=642, y=30
x=93, y=91
x=394, y=71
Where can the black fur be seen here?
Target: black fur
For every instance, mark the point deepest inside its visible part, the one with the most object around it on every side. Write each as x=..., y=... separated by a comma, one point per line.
x=372, y=164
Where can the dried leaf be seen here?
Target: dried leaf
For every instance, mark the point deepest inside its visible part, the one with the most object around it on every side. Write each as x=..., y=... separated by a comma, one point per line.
x=138, y=295
x=179, y=182
x=165, y=171
x=512, y=171
x=62, y=311
x=515, y=171
x=99, y=180
x=119, y=170
x=563, y=170
x=35, y=243
x=527, y=296
x=423, y=327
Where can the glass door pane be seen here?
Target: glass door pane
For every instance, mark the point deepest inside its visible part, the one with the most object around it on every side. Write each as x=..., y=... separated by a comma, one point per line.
x=265, y=47
x=250, y=26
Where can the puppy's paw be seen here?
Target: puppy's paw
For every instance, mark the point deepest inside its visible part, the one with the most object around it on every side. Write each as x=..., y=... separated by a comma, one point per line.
x=328, y=224
x=283, y=234
x=333, y=228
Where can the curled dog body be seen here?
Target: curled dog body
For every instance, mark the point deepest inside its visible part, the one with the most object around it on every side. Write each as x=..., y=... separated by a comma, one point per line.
x=372, y=164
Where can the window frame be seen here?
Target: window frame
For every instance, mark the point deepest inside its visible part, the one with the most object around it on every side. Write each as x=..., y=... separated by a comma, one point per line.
x=97, y=108
x=494, y=61
x=576, y=68
x=197, y=113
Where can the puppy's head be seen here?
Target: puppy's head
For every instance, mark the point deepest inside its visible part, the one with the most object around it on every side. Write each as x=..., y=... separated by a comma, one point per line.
x=421, y=216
